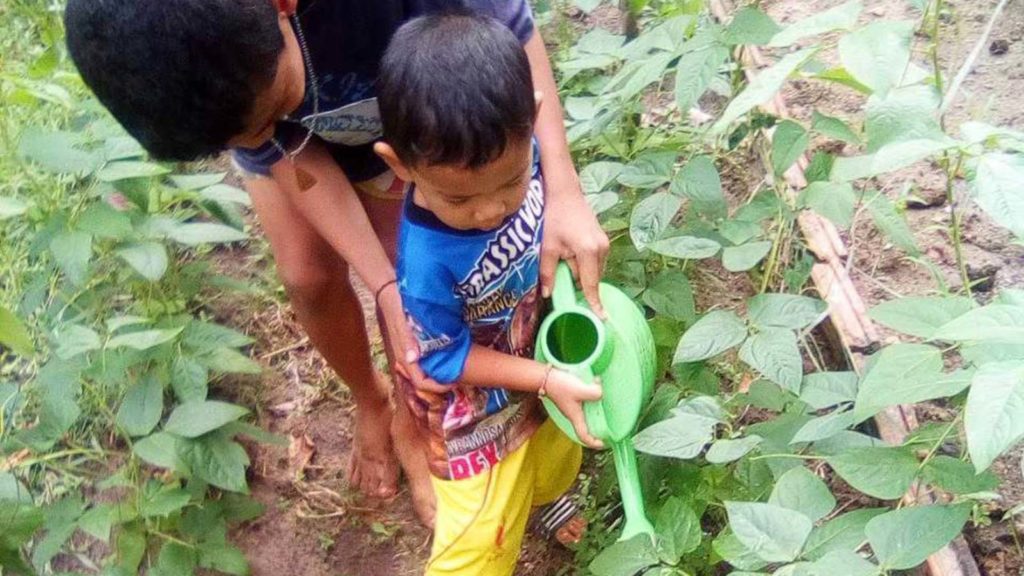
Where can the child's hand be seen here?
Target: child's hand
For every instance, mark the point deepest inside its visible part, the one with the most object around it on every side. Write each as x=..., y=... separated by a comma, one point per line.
x=569, y=393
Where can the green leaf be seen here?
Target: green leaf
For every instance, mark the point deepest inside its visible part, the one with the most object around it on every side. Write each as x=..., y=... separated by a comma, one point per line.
x=58, y=152
x=103, y=221
x=207, y=336
x=602, y=201
x=844, y=562
x=159, y=449
x=826, y=426
x=694, y=72
x=800, y=490
x=686, y=247
x=671, y=295
x=75, y=339
x=625, y=558
x=888, y=158
x=785, y=310
x=843, y=16
x=11, y=207
x=725, y=451
x=877, y=54
x=683, y=436
x=699, y=181
x=730, y=549
x=884, y=473
x=994, y=416
x=194, y=419
x=833, y=128
x=14, y=335
x=144, y=339
x=163, y=502
x=751, y=26
x=716, y=332
x=789, y=142
x=845, y=532
x=901, y=373
x=189, y=379
x=149, y=259
x=920, y=316
x=128, y=169
x=826, y=389
x=223, y=558
x=216, y=459
x=597, y=176
x=992, y=323
x=903, y=539
x=226, y=193
x=739, y=231
x=774, y=353
x=762, y=88
x=196, y=181
x=957, y=476
x=651, y=217
x=72, y=252
x=198, y=233
x=745, y=256
x=909, y=113
x=229, y=361
x=142, y=406
x=131, y=547
x=998, y=186
x=773, y=533
x=892, y=224
x=836, y=201
x=678, y=530
x=176, y=560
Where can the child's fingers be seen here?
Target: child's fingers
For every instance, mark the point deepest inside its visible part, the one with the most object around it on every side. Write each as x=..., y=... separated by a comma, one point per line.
x=589, y=275
x=548, y=264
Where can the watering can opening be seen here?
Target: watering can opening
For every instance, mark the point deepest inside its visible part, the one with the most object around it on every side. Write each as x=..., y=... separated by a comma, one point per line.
x=573, y=338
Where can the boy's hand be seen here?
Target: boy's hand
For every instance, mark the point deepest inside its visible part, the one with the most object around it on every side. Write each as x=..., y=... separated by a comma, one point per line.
x=404, y=348
x=572, y=233
x=569, y=393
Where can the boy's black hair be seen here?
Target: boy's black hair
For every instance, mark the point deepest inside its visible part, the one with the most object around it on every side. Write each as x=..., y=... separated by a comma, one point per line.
x=180, y=75
x=454, y=88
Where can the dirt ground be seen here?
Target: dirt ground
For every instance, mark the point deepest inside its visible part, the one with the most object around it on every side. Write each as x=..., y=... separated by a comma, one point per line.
x=991, y=93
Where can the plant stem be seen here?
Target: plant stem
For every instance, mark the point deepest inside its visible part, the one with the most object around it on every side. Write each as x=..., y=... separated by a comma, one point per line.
x=938, y=443
x=797, y=456
x=955, y=223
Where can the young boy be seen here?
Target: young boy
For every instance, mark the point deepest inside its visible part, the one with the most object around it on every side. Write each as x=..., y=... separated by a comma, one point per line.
x=458, y=107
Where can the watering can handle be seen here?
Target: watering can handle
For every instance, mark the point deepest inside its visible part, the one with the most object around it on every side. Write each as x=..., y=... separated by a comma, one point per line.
x=563, y=293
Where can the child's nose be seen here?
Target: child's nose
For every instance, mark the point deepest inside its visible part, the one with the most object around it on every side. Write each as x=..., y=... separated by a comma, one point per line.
x=491, y=212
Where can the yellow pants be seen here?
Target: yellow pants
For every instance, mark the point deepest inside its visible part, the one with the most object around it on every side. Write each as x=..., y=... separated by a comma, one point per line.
x=481, y=520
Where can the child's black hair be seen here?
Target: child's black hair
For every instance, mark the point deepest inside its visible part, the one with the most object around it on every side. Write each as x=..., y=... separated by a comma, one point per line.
x=454, y=88
x=180, y=75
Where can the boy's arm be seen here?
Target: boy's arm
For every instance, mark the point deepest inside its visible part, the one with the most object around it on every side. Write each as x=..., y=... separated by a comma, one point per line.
x=571, y=231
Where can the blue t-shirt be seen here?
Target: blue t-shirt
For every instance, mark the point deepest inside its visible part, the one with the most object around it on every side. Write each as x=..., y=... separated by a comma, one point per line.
x=464, y=287
x=346, y=40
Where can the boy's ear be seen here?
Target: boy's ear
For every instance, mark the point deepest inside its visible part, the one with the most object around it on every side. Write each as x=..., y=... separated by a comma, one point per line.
x=538, y=99
x=387, y=153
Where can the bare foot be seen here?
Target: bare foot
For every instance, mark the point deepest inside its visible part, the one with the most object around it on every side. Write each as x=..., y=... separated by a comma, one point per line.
x=412, y=453
x=372, y=468
x=572, y=531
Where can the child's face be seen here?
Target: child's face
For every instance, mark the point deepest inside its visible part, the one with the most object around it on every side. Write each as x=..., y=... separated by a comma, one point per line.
x=481, y=198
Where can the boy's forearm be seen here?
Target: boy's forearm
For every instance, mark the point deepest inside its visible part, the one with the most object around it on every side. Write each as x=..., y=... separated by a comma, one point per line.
x=487, y=368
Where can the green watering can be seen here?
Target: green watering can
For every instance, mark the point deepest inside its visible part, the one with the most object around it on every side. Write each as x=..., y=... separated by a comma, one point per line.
x=621, y=352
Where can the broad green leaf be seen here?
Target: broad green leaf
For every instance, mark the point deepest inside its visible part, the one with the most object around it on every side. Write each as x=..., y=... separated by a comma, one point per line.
x=789, y=142
x=686, y=247
x=601, y=202
x=957, y=476
x=725, y=451
x=189, y=379
x=903, y=539
x=762, y=88
x=801, y=490
x=888, y=158
x=891, y=223
x=920, y=316
x=785, y=310
x=144, y=339
x=60, y=523
x=980, y=353
x=796, y=569
x=751, y=26
x=229, y=361
x=127, y=169
x=992, y=323
x=223, y=558
x=58, y=152
x=735, y=553
x=845, y=441
x=704, y=406
x=716, y=332
x=877, y=54
x=833, y=128
x=193, y=419
x=699, y=181
x=884, y=473
x=149, y=259
x=901, y=373
x=671, y=295
x=682, y=436
x=12, y=489
x=774, y=353
x=739, y=231
x=841, y=76
x=14, y=335
x=909, y=113
x=205, y=233
x=678, y=530
x=216, y=459
x=994, y=416
x=72, y=251
x=176, y=560
x=845, y=532
x=74, y=339
x=836, y=201
x=103, y=221
x=844, y=562
x=843, y=16
x=207, y=336
x=142, y=406
x=196, y=181
x=11, y=207
x=625, y=558
x=826, y=426
x=745, y=256
x=131, y=548
x=597, y=176
x=158, y=449
x=226, y=193
x=651, y=217
x=774, y=533
x=694, y=72
x=998, y=186
x=163, y=502
x=826, y=389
